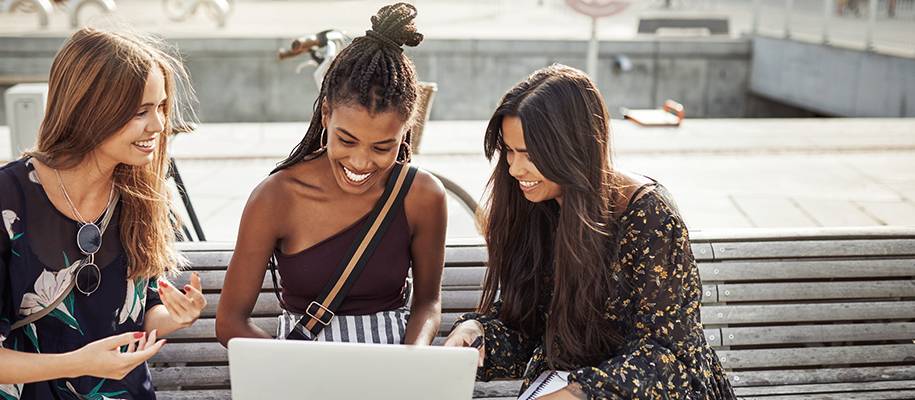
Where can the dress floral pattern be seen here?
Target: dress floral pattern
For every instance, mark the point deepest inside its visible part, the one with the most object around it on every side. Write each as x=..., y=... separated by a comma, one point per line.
x=664, y=355
x=38, y=256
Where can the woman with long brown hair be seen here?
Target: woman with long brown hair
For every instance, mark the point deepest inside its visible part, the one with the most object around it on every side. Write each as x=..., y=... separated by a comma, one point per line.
x=591, y=264
x=311, y=211
x=89, y=234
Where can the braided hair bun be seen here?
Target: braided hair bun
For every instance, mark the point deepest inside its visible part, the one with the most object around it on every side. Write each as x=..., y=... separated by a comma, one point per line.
x=395, y=23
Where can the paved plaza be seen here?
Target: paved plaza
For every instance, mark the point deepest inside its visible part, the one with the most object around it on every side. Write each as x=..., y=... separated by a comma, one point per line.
x=723, y=173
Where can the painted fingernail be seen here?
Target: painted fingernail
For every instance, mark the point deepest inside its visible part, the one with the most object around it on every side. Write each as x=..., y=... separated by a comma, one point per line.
x=138, y=335
x=163, y=283
x=187, y=287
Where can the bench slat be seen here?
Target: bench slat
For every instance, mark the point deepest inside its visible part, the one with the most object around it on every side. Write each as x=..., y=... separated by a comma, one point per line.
x=195, y=395
x=482, y=391
x=453, y=277
x=863, y=311
x=816, y=356
x=217, y=375
x=786, y=270
x=172, y=377
x=821, y=375
x=813, y=248
x=825, y=388
x=268, y=306
x=878, y=395
x=208, y=259
x=454, y=256
x=205, y=328
x=816, y=290
x=789, y=335
x=210, y=352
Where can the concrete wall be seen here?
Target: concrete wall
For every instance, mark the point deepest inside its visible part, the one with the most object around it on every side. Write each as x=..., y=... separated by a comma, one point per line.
x=832, y=80
x=240, y=79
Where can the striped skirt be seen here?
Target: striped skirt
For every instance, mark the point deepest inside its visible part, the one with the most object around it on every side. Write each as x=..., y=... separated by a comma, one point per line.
x=386, y=327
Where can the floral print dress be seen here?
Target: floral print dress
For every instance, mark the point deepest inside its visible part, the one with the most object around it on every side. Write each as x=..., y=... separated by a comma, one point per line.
x=664, y=355
x=38, y=253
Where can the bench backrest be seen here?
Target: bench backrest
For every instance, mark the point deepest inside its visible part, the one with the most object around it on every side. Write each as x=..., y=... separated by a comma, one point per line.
x=778, y=307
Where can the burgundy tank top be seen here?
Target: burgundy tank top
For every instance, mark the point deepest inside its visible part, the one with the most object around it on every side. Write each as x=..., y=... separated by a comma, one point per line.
x=381, y=285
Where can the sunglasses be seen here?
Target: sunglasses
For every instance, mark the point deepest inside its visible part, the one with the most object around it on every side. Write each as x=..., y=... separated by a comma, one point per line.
x=88, y=275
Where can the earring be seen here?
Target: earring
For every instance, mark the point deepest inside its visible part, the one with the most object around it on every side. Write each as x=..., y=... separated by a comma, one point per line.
x=322, y=140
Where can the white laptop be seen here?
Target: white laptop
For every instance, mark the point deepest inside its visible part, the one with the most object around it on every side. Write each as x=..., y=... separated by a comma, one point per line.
x=288, y=369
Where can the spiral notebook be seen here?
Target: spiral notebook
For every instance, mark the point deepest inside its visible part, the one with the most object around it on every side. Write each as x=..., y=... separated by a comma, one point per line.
x=548, y=382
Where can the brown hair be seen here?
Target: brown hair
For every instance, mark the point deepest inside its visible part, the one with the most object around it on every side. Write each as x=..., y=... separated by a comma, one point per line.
x=371, y=72
x=95, y=87
x=567, y=133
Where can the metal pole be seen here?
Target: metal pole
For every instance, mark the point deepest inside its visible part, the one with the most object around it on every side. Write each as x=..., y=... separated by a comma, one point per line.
x=789, y=5
x=756, y=16
x=827, y=15
x=871, y=21
x=186, y=199
x=592, y=51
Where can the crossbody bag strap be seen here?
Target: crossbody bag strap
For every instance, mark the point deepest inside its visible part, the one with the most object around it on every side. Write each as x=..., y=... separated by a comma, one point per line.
x=320, y=312
x=47, y=310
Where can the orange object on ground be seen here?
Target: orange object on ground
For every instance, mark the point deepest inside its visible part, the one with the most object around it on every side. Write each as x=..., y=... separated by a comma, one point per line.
x=671, y=114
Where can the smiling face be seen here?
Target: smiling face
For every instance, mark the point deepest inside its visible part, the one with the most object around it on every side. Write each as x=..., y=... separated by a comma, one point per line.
x=361, y=146
x=531, y=182
x=136, y=142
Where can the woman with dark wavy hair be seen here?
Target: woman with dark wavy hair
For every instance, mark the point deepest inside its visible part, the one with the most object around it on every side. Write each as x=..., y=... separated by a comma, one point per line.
x=591, y=264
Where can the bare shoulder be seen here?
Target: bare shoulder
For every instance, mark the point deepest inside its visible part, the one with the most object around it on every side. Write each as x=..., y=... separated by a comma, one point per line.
x=425, y=202
x=426, y=190
x=281, y=187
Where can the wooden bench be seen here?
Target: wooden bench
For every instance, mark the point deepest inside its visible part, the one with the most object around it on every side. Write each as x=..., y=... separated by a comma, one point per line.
x=792, y=314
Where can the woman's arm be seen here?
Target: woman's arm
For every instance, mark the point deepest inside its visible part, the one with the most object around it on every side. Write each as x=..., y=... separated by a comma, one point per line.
x=102, y=358
x=257, y=237
x=426, y=207
x=505, y=351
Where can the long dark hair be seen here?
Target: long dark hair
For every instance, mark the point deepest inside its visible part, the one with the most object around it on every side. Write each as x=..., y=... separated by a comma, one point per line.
x=566, y=132
x=372, y=72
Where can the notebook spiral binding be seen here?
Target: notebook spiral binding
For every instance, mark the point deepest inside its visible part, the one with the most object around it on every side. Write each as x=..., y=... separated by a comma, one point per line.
x=543, y=385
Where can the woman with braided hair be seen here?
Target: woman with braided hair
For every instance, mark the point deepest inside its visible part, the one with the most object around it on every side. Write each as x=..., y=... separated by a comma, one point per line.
x=309, y=211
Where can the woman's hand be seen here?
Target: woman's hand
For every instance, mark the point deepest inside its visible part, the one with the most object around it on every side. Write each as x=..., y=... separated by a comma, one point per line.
x=103, y=358
x=572, y=391
x=468, y=334
x=184, y=308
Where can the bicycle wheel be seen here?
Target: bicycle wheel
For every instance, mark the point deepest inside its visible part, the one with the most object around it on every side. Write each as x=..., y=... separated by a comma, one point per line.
x=177, y=10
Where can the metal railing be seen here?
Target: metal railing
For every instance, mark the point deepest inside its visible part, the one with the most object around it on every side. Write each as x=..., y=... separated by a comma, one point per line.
x=864, y=23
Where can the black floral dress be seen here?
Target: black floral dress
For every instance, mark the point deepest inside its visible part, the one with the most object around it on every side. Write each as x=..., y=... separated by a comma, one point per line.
x=38, y=253
x=664, y=355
